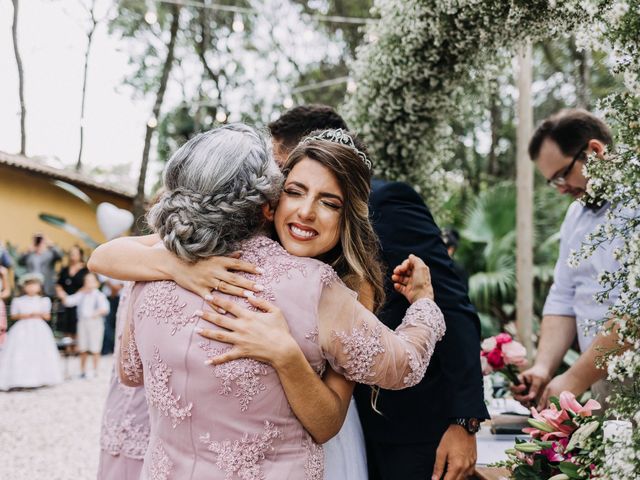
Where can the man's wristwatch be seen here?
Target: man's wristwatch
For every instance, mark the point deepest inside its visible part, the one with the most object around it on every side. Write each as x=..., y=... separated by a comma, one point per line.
x=471, y=425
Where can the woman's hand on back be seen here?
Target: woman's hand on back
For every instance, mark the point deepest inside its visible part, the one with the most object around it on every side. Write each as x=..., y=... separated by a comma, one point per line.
x=412, y=279
x=262, y=335
x=216, y=273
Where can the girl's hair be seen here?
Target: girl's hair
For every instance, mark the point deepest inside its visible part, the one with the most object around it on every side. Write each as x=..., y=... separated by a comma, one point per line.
x=356, y=257
x=216, y=184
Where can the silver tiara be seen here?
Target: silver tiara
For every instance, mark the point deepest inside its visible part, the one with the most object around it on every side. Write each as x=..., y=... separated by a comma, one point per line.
x=340, y=137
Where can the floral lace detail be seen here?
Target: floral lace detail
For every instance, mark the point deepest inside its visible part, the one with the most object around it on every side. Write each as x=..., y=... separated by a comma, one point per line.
x=243, y=456
x=360, y=346
x=328, y=275
x=160, y=395
x=258, y=251
x=124, y=436
x=314, y=464
x=130, y=358
x=421, y=313
x=163, y=304
x=312, y=336
x=161, y=464
x=243, y=373
x=320, y=368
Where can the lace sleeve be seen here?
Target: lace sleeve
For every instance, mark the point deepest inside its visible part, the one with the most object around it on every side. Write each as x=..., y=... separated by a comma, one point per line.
x=363, y=349
x=130, y=362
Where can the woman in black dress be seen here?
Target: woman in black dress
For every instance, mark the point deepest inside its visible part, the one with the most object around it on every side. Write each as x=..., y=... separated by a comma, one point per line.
x=71, y=280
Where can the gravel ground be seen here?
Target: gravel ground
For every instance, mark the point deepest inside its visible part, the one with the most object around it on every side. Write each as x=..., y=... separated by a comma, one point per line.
x=52, y=433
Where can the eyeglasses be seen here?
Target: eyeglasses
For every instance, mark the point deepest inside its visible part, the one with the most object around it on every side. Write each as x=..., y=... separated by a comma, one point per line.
x=559, y=179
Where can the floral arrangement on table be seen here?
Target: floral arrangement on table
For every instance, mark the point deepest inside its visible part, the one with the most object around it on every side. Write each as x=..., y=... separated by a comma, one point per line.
x=566, y=443
x=504, y=355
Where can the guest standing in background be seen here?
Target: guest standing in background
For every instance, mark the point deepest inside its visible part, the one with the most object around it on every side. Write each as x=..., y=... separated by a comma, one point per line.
x=93, y=306
x=112, y=289
x=5, y=292
x=71, y=279
x=30, y=357
x=42, y=258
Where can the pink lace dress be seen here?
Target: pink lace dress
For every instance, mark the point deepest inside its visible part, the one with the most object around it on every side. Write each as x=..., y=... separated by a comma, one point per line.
x=233, y=421
x=124, y=435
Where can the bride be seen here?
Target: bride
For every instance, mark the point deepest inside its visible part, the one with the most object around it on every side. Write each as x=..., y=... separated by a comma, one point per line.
x=322, y=214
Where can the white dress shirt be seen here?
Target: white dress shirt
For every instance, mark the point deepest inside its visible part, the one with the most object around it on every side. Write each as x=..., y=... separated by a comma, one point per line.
x=88, y=304
x=573, y=289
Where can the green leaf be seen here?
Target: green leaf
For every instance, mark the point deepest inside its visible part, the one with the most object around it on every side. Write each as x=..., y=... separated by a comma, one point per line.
x=570, y=469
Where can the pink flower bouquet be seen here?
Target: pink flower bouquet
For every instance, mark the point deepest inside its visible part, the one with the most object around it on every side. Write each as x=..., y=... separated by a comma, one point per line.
x=563, y=438
x=503, y=354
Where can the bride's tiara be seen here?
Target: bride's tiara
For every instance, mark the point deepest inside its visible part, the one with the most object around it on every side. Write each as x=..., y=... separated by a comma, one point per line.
x=340, y=137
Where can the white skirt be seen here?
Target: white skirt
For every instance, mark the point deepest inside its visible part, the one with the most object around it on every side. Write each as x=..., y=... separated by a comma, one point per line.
x=345, y=457
x=29, y=357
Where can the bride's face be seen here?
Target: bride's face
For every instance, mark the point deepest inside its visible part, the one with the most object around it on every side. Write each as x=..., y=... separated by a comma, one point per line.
x=307, y=219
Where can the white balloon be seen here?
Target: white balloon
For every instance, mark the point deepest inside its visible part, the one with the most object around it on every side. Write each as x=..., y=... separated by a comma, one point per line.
x=113, y=221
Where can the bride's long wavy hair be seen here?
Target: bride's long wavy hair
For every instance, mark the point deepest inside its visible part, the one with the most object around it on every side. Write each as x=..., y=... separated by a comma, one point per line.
x=356, y=257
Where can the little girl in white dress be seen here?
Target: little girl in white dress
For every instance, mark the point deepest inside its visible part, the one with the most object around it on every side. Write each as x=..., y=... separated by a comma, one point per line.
x=30, y=357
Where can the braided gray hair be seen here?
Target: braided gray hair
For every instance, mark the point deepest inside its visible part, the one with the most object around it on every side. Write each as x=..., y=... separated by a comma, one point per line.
x=216, y=185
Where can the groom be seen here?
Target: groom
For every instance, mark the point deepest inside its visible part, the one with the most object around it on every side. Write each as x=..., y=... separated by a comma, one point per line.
x=427, y=431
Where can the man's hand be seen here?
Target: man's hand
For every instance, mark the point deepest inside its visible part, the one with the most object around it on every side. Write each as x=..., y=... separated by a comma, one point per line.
x=533, y=381
x=566, y=381
x=457, y=453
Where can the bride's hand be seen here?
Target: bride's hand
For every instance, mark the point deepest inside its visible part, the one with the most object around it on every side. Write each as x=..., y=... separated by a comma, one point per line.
x=412, y=279
x=263, y=335
x=216, y=273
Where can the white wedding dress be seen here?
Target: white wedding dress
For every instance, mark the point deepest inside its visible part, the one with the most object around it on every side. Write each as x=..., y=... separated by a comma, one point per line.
x=344, y=455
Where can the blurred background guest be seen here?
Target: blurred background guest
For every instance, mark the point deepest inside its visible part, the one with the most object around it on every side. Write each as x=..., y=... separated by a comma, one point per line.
x=451, y=239
x=42, y=258
x=112, y=289
x=71, y=279
x=5, y=292
x=92, y=306
x=30, y=357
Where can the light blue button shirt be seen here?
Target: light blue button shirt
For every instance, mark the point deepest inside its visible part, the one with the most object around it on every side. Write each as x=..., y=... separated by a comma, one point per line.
x=573, y=289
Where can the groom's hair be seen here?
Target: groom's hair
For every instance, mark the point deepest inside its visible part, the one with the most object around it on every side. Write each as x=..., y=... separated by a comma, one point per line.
x=298, y=122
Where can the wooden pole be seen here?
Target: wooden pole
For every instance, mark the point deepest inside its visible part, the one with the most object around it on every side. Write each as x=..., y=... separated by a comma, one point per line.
x=524, y=214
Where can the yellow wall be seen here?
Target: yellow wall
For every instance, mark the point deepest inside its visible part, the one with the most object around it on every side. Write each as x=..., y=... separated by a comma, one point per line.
x=24, y=195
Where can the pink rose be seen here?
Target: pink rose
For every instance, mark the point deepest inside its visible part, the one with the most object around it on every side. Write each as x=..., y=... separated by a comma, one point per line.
x=486, y=368
x=503, y=338
x=488, y=344
x=514, y=354
x=495, y=359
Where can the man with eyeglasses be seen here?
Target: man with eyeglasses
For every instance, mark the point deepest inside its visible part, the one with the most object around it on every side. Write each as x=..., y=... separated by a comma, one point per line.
x=560, y=147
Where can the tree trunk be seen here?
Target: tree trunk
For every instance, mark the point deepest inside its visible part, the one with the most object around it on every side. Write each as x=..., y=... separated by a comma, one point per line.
x=494, y=111
x=23, y=108
x=94, y=24
x=524, y=216
x=138, y=202
x=582, y=75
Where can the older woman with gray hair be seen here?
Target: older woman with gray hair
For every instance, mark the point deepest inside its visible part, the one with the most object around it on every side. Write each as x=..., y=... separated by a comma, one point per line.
x=246, y=417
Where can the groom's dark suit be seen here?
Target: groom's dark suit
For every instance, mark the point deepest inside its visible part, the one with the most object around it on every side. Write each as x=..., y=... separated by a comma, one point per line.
x=402, y=441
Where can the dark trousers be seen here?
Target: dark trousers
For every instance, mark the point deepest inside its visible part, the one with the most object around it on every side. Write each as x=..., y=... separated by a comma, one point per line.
x=110, y=326
x=388, y=461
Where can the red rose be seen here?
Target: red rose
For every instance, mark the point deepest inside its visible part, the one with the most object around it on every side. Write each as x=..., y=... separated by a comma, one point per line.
x=503, y=338
x=495, y=359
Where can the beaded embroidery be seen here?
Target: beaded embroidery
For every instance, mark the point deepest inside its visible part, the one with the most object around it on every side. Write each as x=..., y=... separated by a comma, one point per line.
x=130, y=358
x=360, y=346
x=243, y=373
x=160, y=395
x=314, y=464
x=163, y=304
x=161, y=464
x=243, y=457
x=124, y=437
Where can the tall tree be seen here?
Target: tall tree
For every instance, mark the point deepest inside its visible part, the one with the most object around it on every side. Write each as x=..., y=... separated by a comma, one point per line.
x=16, y=50
x=93, y=23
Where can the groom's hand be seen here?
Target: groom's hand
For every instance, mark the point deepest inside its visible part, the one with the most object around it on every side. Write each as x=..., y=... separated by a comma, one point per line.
x=457, y=454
